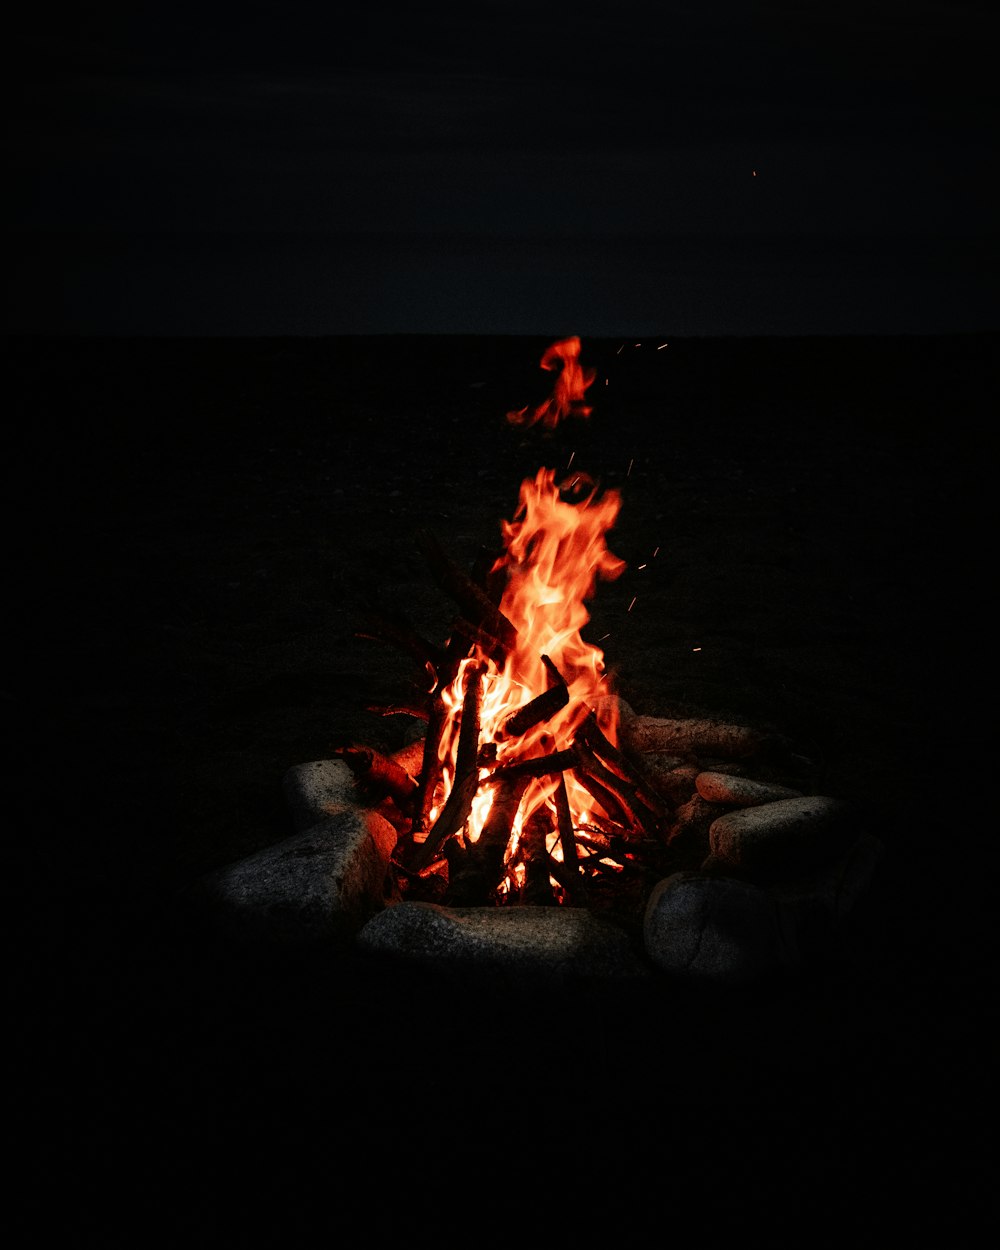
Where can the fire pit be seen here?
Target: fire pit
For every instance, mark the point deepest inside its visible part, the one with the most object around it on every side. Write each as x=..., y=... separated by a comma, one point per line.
x=535, y=824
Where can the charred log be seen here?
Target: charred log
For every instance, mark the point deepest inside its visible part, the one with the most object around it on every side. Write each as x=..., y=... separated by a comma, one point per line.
x=535, y=712
x=610, y=804
x=458, y=805
x=419, y=709
x=394, y=629
x=569, y=878
x=379, y=776
x=477, y=635
x=430, y=769
x=637, y=814
x=475, y=603
x=486, y=867
x=537, y=766
x=598, y=743
x=555, y=678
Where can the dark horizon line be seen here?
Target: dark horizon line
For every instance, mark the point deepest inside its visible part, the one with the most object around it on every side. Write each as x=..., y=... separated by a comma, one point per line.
x=14, y=336
x=511, y=236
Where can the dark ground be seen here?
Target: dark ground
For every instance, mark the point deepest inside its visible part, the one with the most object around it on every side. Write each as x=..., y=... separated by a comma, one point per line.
x=195, y=525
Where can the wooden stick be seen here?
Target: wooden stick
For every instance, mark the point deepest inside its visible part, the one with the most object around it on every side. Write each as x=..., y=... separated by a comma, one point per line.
x=607, y=799
x=537, y=766
x=486, y=855
x=590, y=770
x=555, y=677
x=418, y=710
x=430, y=769
x=564, y=824
x=458, y=805
x=570, y=878
x=395, y=629
x=541, y=708
x=600, y=745
x=482, y=638
x=475, y=603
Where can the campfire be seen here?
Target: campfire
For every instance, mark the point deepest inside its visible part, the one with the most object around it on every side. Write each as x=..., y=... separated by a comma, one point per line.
x=522, y=794
x=535, y=819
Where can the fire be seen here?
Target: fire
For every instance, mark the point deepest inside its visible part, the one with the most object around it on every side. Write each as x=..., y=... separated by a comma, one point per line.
x=567, y=396
x=554, y=554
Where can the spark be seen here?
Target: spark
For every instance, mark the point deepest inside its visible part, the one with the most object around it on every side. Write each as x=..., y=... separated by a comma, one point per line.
x=620, y=350
x=628, y=471
x=755, y=173
x=603, y=636
x=632, y=604
x=662, y=346
x=641, y=566
x=696, y=648
x=656, y=553
x=569, y=463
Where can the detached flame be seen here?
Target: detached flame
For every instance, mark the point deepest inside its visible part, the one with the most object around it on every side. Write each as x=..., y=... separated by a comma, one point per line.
x=567, y=396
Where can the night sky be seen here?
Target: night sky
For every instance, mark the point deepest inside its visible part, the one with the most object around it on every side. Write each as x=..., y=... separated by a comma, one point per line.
x=703, y=168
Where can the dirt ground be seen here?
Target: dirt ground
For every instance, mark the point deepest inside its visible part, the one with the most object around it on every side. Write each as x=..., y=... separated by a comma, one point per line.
x=196, y=529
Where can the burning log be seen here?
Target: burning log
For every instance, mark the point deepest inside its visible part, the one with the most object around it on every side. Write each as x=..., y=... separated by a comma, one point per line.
x=536, y=766
x=483, y=869
x=613, y=807
x=570, y=878
x=555, y=677
x=590, y=771
x=378, y=774
x=459, y=802
x=475, y=603
x=539, y=709
x=430, y=769
x=644, y=790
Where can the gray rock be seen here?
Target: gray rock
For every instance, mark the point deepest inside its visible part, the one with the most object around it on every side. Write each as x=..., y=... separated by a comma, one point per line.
x=699, y=736
x=784, y=838
x=317, y=790
x=696, y=811
x=676, y=784
x=719, y=787
x=717, y=931
x=320, y=885
x=560, y=944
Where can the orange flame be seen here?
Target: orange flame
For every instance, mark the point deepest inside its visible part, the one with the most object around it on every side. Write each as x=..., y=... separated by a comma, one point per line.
x=555, y=552
x=567, y=396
